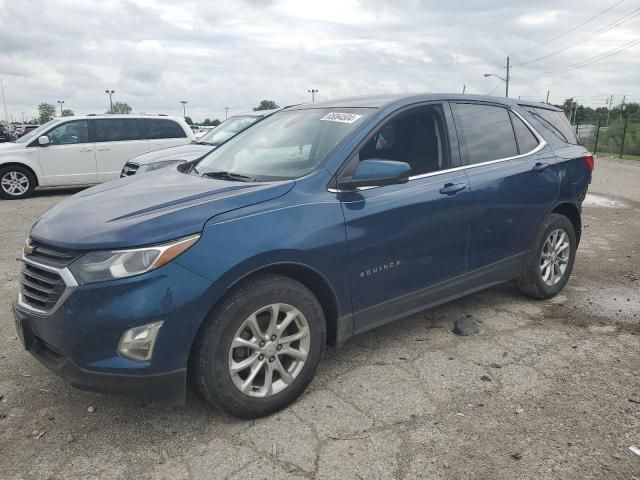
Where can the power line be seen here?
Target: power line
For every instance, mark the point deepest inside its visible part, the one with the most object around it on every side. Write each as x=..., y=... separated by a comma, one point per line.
x=591, y=60
x=625, y=18
x=568, y=31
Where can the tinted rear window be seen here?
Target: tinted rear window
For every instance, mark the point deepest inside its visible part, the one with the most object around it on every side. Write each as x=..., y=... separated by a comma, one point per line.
x=116, y=129
x=527, y=141
x=556, y=121
x=486, y=131
x=160, y=128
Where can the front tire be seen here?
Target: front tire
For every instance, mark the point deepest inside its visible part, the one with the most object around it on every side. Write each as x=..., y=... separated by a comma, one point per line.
x=550, y=261
x=260, y=348
x=16, y=182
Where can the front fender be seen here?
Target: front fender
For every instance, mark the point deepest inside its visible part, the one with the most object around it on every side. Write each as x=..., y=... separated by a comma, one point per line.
x=30, y=161
x=309, y=234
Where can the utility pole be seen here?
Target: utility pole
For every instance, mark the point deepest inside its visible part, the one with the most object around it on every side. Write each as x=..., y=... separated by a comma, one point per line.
x=609, y=109
x=60, y=102
x=184, y=108
x=506, y=93
x=464, y=89
x=547, y=102
x=4, y=101
x=313, y=92
x=624, y=97
x=226, y=112
x=110, y=92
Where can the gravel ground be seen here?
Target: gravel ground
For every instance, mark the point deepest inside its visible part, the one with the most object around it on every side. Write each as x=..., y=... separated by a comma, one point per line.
x=547, y=390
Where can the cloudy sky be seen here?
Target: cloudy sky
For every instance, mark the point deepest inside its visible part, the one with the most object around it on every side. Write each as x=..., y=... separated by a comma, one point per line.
x=233, y=53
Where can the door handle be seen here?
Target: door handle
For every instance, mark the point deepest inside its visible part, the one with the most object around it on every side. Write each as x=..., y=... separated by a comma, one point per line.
x=104, y=148
x=541, y=167
x=452, y=188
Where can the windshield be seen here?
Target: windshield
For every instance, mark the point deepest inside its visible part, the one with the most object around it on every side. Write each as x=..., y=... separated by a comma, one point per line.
x=228, y=129
x=285, y=145
x=36, y=132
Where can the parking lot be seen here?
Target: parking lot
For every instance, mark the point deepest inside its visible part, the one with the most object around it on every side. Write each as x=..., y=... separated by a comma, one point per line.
x=548, y=389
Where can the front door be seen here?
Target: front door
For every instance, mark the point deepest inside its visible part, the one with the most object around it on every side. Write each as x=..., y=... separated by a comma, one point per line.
x=69, y=158
x=405, y=239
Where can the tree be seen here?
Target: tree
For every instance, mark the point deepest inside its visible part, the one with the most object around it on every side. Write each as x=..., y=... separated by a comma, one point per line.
x=266, y=105
x=121, y=107
x=188, y=120
x=210, y=123
x=46, y=112
x=67, y=112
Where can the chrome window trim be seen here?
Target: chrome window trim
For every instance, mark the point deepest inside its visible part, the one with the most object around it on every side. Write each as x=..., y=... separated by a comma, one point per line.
x=541, y=144
x=68, y=279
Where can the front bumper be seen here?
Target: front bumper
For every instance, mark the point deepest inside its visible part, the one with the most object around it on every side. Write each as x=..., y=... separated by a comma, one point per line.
x=78, y=341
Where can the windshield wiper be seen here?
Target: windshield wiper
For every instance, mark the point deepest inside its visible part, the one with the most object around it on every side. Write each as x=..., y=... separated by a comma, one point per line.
x=229, y=176
x=207, y=143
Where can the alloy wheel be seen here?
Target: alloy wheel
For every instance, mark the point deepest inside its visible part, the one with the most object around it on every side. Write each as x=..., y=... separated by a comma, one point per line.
x=15, y=183
x=555, y=256
x=269, y=350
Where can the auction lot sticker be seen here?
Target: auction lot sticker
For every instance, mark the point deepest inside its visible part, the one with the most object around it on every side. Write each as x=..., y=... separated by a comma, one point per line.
x=341, y=117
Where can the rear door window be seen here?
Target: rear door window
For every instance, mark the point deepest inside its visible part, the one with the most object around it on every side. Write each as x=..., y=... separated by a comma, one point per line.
x=527, y=141
x=485, y=132
x=115, y=130
x=556, y=121
x=156, y=128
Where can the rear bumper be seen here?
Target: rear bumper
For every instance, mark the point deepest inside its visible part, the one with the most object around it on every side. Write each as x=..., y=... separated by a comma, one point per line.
x=167, y=387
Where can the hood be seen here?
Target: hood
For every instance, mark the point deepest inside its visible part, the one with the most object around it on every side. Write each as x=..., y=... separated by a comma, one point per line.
x=191, y=151
x=10, y=146
x=146, y=209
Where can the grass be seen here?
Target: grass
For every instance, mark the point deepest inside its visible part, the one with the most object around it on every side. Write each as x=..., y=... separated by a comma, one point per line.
x=617, y=155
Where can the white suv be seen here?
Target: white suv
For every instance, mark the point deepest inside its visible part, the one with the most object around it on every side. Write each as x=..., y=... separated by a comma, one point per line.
x=83, y=150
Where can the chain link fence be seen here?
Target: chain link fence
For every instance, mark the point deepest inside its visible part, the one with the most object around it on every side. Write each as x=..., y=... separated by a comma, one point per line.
x=621, y=138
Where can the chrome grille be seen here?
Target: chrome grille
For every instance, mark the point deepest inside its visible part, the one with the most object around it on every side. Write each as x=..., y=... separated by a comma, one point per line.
x=40, y=288
x=45, y=279
x=129, y=169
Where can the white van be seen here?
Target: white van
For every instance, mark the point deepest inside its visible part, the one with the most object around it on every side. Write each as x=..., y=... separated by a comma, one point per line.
x=83, y=150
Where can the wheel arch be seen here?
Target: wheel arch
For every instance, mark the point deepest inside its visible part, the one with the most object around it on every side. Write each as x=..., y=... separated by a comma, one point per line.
x=314, y=281
x=23, y=165
x=572, y=212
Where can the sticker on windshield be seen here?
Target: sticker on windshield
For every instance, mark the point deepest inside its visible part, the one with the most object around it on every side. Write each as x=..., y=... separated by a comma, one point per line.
x=341, y=117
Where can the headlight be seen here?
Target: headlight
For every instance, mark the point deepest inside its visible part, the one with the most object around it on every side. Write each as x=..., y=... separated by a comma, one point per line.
x=103, y=265
x=157, y=165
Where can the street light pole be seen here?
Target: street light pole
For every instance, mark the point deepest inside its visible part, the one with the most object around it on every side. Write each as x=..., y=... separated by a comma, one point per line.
x=184, y=108
x=110, y=92
x=313, y=92
x=4, y=101
x=504, y=79
x=60, y=102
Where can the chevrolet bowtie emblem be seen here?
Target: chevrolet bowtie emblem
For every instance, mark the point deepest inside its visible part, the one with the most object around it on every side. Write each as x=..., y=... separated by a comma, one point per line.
x=28, y=248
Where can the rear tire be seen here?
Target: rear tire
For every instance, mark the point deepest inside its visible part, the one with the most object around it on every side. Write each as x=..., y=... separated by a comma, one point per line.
x=249, y=366
x=16, y=182
x=550, y=261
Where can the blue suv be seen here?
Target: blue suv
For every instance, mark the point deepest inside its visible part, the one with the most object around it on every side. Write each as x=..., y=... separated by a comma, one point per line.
x=318, y=223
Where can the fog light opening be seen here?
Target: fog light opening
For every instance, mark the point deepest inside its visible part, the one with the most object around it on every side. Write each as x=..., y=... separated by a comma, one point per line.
x=137, y=343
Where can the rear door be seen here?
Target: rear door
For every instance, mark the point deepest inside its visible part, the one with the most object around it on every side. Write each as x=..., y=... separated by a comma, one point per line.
x=163, y=133
x=69, y=158
x=513, y=180
x=116, y=141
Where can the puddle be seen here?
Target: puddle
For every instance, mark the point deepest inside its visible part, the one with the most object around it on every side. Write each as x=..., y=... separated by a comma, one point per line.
x=592, y=200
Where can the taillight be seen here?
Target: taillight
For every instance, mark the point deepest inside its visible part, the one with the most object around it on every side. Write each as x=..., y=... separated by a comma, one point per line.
x=589, y=161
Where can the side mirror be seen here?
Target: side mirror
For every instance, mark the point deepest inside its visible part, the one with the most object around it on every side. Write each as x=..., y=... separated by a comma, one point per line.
x=376, y=173
x=43, y=141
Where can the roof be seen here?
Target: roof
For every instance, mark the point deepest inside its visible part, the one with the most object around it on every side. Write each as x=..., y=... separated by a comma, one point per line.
x=379, y=101
x=116, y=115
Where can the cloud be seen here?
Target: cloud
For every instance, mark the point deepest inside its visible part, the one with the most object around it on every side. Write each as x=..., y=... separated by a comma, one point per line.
x=232, y=53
